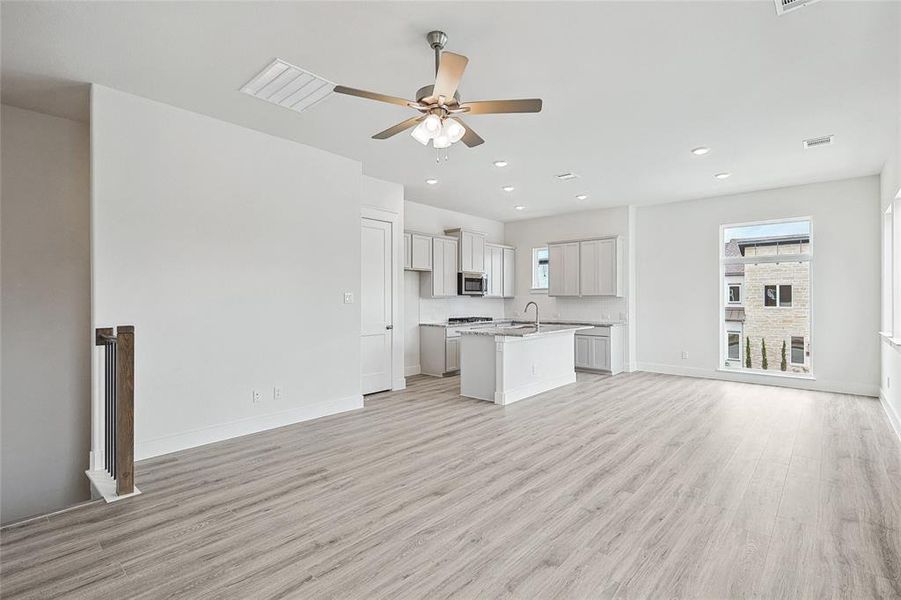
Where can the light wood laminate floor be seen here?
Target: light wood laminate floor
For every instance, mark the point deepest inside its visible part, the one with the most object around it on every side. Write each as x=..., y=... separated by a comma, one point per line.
x=634, y=486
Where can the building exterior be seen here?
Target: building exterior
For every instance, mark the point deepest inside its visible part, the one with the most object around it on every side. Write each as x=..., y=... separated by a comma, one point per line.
x=767, y=303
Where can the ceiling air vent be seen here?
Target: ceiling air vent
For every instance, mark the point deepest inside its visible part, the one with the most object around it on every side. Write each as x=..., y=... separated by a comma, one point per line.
x=825, y=140
x=288, y=86
x=784, y=6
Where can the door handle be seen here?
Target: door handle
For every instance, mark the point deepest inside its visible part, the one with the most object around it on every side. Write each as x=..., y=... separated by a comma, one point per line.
x=389, y=326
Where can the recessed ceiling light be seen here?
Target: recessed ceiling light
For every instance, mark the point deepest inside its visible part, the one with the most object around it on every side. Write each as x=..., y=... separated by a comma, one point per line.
x=723, y=175
x=565, y=176
x=700, y=150
x=508, y=188
x=582, y=197
x=519, y=207
x=500, y=163
x=431, y=181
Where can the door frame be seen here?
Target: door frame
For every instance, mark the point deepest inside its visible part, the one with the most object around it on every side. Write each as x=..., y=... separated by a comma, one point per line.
x=377, y=213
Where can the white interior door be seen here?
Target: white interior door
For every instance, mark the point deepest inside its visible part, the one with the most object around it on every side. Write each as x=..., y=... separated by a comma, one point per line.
x=376, y=305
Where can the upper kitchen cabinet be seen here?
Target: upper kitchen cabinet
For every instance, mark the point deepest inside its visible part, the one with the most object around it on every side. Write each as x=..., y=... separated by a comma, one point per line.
x=417, y=251
x=441, y=281
x=600, y=271
x=471, y=250
x=499, y=270
x=585, y=268
x=563, y=269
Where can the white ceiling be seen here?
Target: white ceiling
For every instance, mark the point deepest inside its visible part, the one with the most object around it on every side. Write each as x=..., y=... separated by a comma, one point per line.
x=629, y=88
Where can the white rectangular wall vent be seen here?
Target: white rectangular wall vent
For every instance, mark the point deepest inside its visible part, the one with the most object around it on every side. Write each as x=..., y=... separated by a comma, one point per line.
x=784, y=6
x=565, y=176
x=288, y=86
x=825, y=140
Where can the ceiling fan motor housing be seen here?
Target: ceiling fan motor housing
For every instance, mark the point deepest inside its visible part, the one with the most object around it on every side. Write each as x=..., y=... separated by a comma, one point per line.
x=426, y=91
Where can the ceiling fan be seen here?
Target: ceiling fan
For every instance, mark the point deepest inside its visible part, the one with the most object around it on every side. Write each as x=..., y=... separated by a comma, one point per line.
x=440, y=105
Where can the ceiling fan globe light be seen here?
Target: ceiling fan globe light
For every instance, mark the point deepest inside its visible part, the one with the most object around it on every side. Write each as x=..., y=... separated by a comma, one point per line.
x=454, y=131
x=421, y=134
x=432, y=124
x=441, y=141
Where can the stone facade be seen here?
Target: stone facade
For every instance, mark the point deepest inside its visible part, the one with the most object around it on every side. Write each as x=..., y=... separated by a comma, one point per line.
x=776, y=324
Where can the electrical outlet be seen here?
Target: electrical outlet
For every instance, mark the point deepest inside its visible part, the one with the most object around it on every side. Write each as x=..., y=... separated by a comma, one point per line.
x=348, y=297
x=684, y=355
x=257, y=396
x=276, y=393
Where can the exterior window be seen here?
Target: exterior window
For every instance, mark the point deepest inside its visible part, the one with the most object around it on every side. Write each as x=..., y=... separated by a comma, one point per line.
x=769, y=295
x=539, y=268
x=733, y=343
x=777, y=295
x=764, y=309
x=785, y=295
x=797, y=350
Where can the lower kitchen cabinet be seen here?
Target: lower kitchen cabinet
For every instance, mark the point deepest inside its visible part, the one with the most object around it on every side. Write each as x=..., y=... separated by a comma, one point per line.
x=439, y=350
x=600, y=349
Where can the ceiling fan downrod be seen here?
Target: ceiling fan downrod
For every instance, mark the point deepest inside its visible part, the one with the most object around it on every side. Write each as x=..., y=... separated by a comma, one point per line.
x=437, y=40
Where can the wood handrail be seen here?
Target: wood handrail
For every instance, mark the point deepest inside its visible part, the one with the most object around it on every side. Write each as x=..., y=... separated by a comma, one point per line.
x=125, y=402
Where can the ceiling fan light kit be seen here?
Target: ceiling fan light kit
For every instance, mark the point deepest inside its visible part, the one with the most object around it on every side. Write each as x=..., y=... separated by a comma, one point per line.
x=439, y=104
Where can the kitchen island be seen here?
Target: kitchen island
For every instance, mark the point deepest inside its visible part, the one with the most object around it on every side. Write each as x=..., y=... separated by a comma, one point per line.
x=509, y=363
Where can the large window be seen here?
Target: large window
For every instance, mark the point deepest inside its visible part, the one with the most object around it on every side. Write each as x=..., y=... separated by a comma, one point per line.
x=887, y=275
x=539, y=268
x=765, y=313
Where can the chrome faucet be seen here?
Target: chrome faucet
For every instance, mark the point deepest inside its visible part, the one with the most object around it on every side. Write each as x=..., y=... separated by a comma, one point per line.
x=526, y=309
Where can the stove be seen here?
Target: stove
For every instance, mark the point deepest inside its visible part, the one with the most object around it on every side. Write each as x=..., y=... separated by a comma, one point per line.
x=458, y=320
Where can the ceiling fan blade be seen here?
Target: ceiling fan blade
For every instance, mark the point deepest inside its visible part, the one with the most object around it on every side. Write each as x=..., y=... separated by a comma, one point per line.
x=490, y=107
x=470, y=138
x=340, y=89
x=450, y=71
x=394, y=130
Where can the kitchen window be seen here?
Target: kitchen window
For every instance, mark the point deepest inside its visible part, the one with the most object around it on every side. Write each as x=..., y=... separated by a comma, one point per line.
x=797, y=350
x=734, y=293
x=540, y=268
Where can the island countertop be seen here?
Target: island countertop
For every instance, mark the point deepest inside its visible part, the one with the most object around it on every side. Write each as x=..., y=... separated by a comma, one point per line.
x=522, y=330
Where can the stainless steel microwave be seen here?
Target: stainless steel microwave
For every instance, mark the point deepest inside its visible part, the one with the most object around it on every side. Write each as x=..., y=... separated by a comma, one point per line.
x=472, y=284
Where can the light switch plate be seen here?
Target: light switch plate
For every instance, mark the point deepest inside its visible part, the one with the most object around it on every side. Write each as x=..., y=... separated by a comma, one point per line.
x=348, y=297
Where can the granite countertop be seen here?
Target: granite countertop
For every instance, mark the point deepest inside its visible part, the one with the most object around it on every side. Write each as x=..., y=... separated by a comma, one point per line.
x=514, y=321
x=523, y=330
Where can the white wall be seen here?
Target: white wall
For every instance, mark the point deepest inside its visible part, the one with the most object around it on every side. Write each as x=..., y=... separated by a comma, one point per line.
x=431, y=220
x=384, y=200
x=677, y=270
x=534, y=233
x=46, y=310
x=229, y=251
x=890, y=382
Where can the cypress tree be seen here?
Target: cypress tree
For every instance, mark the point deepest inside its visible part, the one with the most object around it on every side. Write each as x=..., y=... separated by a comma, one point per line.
x=763, y=362
x=747, y=352
x=784, y=364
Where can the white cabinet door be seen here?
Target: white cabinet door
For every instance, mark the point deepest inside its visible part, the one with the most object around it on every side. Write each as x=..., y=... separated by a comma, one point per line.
x=421, y=252
x=563, y=269
x=450, y=268
x=583, y=352
x=509, y=261
x=494, y=270
x=599, y=353
x=438, y=267
x=452, y=354
x=478, y=253
x=599, y=271
x=408, y=251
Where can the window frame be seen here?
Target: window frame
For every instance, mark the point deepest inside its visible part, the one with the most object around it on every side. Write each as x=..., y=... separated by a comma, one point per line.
x=534, y=264
x=810, y=257
x=741, y=351
x=779, y=302
x=729, y=287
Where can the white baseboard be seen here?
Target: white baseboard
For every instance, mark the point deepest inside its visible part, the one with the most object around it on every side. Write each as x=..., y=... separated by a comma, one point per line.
x=893, y=418
x=217, y=433
x=399, y=384
x=819, y=385
x=103, y=485
x=412, y=370
x=528, y=390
